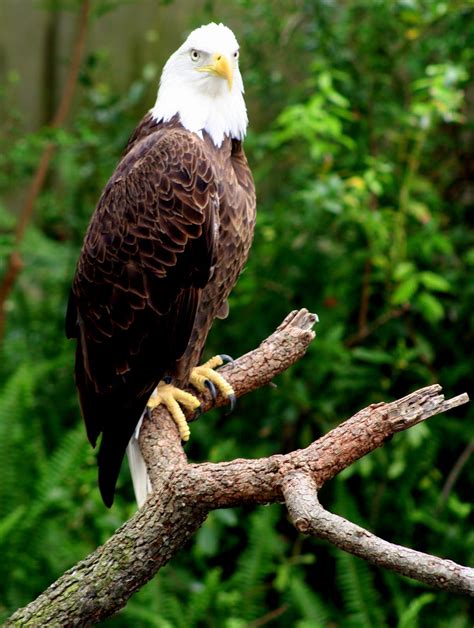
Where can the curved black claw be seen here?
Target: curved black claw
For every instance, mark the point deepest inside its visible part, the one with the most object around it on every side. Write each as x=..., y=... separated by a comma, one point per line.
x=227, y=359
x=148, y=412
x=232, y=401
x=212, y=389
x=167, y=379
x=197, y=413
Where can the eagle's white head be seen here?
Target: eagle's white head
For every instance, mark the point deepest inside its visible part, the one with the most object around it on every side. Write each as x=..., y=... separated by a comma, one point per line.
x=201, y=82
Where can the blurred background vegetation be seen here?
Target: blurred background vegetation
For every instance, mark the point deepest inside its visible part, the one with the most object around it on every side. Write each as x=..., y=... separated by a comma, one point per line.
x=361, y=145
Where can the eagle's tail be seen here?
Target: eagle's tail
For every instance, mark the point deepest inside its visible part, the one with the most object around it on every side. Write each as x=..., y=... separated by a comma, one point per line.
x=140, y=477
x=112, y=450
x=116, y=416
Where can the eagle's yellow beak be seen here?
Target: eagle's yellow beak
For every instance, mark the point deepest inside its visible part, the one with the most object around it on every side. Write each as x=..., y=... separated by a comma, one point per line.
x=221, y=67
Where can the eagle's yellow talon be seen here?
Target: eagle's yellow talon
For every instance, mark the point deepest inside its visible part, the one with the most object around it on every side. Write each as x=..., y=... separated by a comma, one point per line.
x=212, y=363
x=172, y=397
x=200, y=374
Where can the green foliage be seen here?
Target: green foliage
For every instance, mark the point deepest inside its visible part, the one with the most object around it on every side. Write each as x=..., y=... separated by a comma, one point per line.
x=361, y=146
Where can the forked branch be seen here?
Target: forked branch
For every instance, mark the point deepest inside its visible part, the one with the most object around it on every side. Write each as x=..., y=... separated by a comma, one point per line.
x=183, y=493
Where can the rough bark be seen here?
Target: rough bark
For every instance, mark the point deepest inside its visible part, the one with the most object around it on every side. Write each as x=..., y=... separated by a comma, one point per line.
x=183, y=493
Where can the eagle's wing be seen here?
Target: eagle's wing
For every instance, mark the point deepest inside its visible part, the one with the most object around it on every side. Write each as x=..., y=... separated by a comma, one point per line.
x=148, y=253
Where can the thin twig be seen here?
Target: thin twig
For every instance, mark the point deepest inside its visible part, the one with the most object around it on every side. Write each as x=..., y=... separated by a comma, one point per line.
x=364, y=299
x=14, y=264
x=369, y=329
x=268, y=617
x=454, y=474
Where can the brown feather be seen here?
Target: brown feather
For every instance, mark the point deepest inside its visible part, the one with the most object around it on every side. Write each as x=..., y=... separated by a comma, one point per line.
x=163, y=250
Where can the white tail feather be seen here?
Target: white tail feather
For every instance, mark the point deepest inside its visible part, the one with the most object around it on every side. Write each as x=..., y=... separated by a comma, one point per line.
x=140, y=478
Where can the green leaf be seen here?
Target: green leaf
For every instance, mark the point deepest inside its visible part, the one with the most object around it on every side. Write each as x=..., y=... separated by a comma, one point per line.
x=372, y=356
x=405, y=291
x=433, y=281
x=430, y=307
x=403, y=270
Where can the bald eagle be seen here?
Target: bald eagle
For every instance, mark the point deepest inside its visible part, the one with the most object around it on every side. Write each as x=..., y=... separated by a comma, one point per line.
x=164, y=247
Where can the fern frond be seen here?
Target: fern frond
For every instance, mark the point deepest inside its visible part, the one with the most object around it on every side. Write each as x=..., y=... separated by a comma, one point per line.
x=309, y=604
x=355, y=580
x=53, y=474
x=15, y=400
x=410, y=616
x=358, y=592
x=201, y=601
x=256, y=563
x=9, y=523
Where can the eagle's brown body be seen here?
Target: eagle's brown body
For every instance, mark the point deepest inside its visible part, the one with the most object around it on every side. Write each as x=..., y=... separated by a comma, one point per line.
x=164, y=248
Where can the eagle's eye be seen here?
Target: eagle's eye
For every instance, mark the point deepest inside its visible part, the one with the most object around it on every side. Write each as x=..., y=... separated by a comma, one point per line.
x=195, y=55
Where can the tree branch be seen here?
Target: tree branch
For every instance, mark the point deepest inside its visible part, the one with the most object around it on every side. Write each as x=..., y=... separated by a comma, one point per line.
x=183, y=493
x=15, y=264
x=309, y=517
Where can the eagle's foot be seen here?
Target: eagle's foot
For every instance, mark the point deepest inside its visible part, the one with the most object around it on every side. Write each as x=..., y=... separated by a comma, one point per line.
x=205, y=378
x=173, y=398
